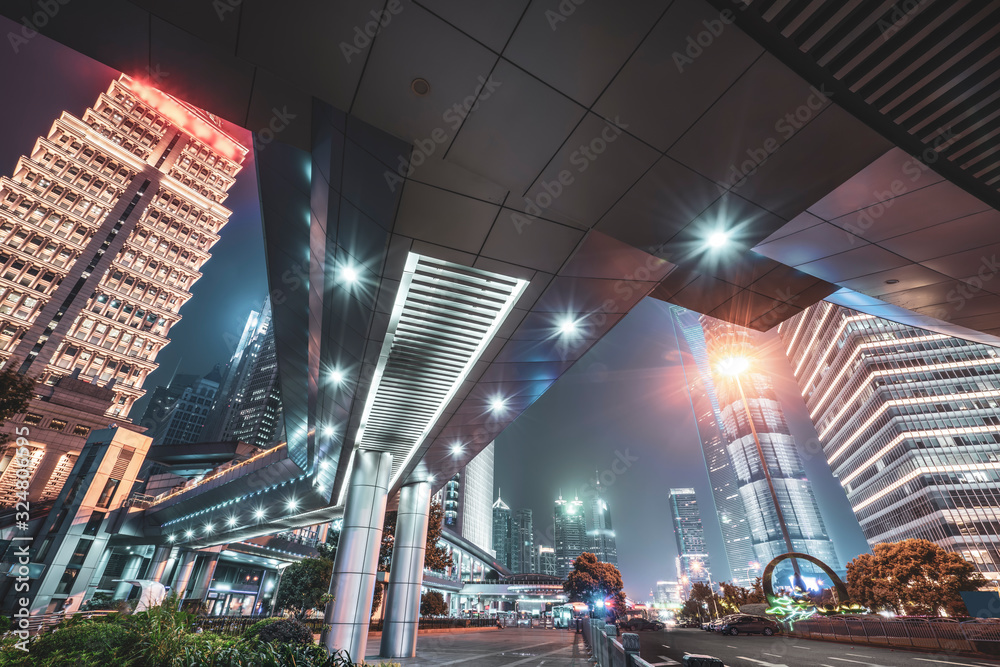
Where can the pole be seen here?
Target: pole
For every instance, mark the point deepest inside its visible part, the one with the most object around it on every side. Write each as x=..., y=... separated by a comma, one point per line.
x=770, y=484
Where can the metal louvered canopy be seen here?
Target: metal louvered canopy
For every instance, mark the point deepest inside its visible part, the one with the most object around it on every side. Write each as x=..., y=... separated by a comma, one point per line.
x=444, y=316
x=927, y=72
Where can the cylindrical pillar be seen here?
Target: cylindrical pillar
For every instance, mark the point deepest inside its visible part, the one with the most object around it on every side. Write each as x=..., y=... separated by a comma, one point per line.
x=184, y=570
x=160, y=558
x=353, y=582
x=131, y=571
x=402, y=604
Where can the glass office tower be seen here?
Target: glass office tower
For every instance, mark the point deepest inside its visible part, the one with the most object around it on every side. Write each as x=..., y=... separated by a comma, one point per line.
x=693, y=564
x=721, y=473
x=798, y=503
x=909, y=423
x=570, y=533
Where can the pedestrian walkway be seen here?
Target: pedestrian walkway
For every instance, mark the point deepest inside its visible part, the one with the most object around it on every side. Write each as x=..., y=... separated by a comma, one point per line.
x=498, y=648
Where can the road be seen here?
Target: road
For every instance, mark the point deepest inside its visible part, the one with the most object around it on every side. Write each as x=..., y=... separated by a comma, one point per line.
x=668, y=647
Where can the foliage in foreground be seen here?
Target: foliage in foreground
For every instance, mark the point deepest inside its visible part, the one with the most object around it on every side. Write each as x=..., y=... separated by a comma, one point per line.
x=915, y=577
x=165, y=638
x=592, y=580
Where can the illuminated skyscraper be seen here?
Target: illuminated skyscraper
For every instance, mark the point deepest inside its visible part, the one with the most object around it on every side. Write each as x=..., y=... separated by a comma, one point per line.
x=104, y=226
x=546, y=560
x=795, y=495
x=599, y=531
x=910, y=425
x=693, y=564
x=721, y=473
x=522, y=543
x=476, y=500
x=570, y=533
x=502, y=532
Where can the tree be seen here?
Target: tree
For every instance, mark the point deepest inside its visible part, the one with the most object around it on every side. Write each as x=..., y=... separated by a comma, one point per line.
x=691, y=610
x=432, y=604
x=591, y=580
x=15, y=392
x=436, y=557
x=734, y=597
x=703, y=594
x=305, y=586
x=915, y=577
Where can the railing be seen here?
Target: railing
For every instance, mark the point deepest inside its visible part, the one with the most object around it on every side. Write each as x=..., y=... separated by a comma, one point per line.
x=605, y=648
x=938, y=635
x=42, y=622
x=444, y=623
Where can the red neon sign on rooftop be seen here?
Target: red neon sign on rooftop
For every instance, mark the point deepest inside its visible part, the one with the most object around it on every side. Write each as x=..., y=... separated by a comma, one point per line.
x=184, y=117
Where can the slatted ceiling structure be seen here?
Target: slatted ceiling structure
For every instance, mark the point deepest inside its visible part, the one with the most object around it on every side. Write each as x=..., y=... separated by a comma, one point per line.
x=930, y=68
x=444, y=316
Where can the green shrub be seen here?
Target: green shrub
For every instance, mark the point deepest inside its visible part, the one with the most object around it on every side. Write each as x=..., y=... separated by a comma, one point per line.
x=254, y=630
x=286, y=630
x=80, y=645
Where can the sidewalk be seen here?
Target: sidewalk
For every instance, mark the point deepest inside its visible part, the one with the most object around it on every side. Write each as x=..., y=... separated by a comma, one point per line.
x=498, y=648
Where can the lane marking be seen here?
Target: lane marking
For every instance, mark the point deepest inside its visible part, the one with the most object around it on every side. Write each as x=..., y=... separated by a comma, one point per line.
x=761, y=662
x=535, y=657
x=489, y=655
x=665, y=646
x=856, y=662
x=945, y=662
x=858, y=655
x=667, y=661
x=732, y=646
x=775, y=655
x=804, y=648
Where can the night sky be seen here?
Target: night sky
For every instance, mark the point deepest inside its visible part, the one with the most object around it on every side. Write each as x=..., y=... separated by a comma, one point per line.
x=627, y=395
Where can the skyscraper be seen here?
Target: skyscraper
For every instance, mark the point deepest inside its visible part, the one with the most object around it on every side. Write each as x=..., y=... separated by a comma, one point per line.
x=909, y=423
x=721, y=472
x=236, y=377
x=502, y=524
x=546, y=560
x=476, y=500
x=794, y=492
x=570, y=533
x=449, y=501
x=255, y=416
x=522, y=542
x=693, y=564
x=104, y=226
x=185, y=417
x=599, y=531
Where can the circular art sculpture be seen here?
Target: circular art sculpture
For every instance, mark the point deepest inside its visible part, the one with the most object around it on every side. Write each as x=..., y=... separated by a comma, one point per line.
x=799, y=604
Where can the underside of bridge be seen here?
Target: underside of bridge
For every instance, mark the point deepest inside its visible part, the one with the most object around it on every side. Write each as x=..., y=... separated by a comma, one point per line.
x=460, y=199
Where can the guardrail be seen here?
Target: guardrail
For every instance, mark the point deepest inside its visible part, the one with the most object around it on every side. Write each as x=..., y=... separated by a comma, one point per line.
x=602, y=641
x=938, y=635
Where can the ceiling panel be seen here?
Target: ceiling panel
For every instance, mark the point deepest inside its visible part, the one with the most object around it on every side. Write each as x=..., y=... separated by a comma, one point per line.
x=594, y=167
x=577, y=47
x=853, y=263
x=810, y=244
x=645, y=93
x=946, y=238
x=416, y=44
x=491, y=23
x=535, y=243
x=445, y=218
x=536, y=120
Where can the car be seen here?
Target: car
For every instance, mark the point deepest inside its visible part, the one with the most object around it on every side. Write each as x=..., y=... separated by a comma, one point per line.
x=716, y=625
x=640, y=623
x=689, y=624
x=746, y=624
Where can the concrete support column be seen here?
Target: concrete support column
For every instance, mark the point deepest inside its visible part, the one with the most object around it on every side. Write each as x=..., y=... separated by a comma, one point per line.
x=131, y=571
x=402, y=604
x=353, y=582
x=200, y=591
x=184, y=571
x=160, y=558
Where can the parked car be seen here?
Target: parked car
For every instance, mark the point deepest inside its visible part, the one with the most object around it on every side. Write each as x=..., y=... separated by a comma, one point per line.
x=746, y=624
x=689, y=624
x=716, y=625
x=639, y=623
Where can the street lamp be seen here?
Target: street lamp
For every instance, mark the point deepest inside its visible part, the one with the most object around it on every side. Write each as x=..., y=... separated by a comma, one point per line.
x=698, y=567
x=734, y=366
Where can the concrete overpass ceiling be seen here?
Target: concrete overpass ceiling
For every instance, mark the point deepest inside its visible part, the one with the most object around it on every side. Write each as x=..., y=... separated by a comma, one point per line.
x=590, y=150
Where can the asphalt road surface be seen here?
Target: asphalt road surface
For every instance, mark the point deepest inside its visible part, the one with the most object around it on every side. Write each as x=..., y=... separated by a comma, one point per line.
x=668, y=647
